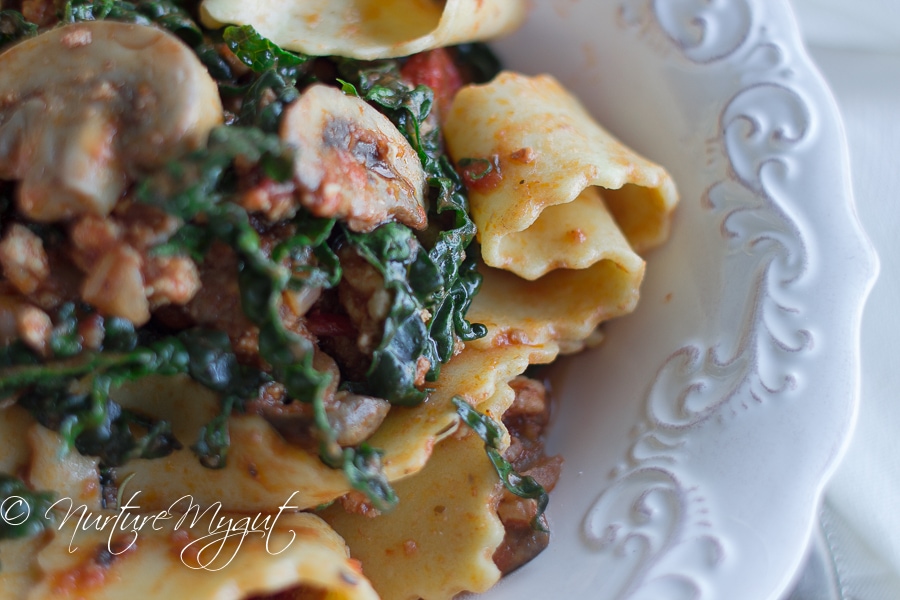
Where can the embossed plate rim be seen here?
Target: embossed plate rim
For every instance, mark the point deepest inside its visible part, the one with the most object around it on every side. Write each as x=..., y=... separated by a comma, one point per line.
x=716, y=446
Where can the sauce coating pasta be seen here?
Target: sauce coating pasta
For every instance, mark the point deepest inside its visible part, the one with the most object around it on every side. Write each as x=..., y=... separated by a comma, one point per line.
x=272, y=275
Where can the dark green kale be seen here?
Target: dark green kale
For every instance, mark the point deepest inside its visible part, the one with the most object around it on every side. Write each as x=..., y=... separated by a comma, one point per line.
x=203, y=183
x=169, y=15
x=164, y=13
x=71, y=395
x=451, y=230
x=260, y=54
x=74, y=11
x=214, y=365
x=70, y=392
x=14, y=27
x=410, y=276
x=23, y=512
x=478, y=60
x=489, y=431
x=275, y=85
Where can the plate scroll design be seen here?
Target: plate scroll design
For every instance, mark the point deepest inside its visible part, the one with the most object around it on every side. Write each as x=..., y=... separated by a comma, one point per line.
x=650, y=507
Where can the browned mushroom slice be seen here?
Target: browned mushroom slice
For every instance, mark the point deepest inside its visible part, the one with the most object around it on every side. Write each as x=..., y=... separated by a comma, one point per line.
x=351, y=162
x=108, y=102
x=353, y=417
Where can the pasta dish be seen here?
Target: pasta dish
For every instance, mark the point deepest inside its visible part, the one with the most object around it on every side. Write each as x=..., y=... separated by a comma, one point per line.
x=274, y=278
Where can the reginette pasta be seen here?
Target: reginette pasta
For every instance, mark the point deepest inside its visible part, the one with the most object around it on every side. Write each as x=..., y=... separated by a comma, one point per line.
x=274, y=277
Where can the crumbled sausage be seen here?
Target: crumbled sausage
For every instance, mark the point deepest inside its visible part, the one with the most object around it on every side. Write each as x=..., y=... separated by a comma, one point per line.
x=170, y=280
x=23, y=259
x=363, y=297
x=62, y=283
x=358, y=504
x=115, y=286
x=144, y=226
x=40, y=12
x=93, y=236
x=33, y=327
x=115, y=250
x=273, y=200
x=217, y=303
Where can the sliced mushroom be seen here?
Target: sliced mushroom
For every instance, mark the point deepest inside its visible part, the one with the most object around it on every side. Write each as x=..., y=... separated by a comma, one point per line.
x=23, y=259
x=351, y=162
x=355, y=418
x=86, y=107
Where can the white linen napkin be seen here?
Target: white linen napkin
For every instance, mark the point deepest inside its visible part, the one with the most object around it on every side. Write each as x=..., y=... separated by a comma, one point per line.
x=859, y=24
x=856, y=44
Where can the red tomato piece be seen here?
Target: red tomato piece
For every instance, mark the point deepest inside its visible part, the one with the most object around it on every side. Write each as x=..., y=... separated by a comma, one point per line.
x=436, y=69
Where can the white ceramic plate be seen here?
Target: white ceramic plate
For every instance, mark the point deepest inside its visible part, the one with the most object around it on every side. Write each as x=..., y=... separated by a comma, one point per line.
x=699, y=436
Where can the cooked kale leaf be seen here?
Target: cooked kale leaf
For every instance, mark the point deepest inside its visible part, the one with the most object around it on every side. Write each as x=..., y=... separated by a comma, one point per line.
x=165, y=13
x=70, y=392
x=204, y=183
x=23, y=512
x=408, y=108
x=410, y=276
x=489, y=431
x=201, y=181
x=479, y=60
x=71, y=395
x=260, y=54
x=274, y=87
x=14, y=27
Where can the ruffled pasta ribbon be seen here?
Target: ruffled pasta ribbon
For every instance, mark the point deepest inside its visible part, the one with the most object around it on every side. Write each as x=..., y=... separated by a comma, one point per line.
x=561, y=218
x=368, y=29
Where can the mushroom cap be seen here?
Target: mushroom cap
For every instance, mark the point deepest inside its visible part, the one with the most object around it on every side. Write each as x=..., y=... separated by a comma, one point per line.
x=352, y=163
x=88, y=106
